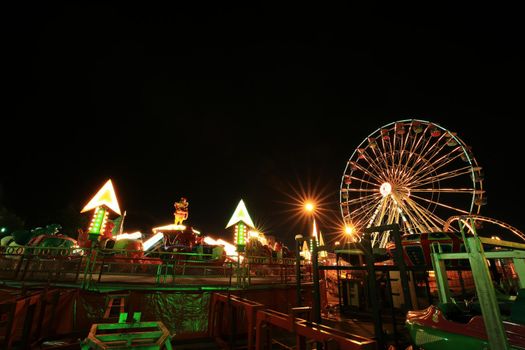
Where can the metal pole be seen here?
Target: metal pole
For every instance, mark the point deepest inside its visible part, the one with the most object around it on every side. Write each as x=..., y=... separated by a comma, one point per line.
x=372, y=286
x=339, y=287
x=298, y=241
x=317, y=289
x=393, y=312
x=238, y=267
x=400, y=262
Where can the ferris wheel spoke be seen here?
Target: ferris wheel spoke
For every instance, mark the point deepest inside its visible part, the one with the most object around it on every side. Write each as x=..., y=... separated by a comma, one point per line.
x=359, y=224
x=441, y=204
x=444, y=190
x=443, y=156
x=426, y=217
x=424, y=147
x=378, y=214
x=362, y=181
x=364, y=170
x=397, y=209
x=428, y=144
x=364, y=220
x=417, y=142
x=386, y=208
x=388, y=151
x=363, y=199
x=422, y=176
x=434, y=222
x=435, y=219
x=411, y=153
x=391, y=151
x=369, y=211
x=362, y=189
x=420, y=169
x=375, y=164
x=441, y=177
x=400, y=165
x=364, y=209
x=434, y=149
x=420, y=146
x=414, y=218
x=447, y=157
x=427, y=148
x=393, y=215
x=419, y=165
x=443, y=161
x=381, y=159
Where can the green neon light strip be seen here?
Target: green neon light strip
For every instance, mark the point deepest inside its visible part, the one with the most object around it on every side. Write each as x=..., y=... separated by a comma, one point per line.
x=240, y=233
x=100, y=215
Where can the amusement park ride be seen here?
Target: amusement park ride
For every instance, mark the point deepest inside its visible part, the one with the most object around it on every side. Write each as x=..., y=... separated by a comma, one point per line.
x=176, y=243
x=410, y=198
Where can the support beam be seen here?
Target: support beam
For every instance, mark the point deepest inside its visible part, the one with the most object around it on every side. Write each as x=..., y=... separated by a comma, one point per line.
x=440, y=273
x=487, y=296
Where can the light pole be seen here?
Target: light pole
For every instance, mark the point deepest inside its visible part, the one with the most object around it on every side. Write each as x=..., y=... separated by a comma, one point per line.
x=309, y=207
x=298, y=242
x=317, y=288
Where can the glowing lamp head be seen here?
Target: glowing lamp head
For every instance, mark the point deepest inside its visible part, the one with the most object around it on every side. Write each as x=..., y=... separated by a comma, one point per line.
x=385, y=189
x=349, y=230
x=309, y=207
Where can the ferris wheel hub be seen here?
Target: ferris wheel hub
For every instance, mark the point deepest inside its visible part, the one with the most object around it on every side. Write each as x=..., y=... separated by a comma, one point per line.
x=385, y=189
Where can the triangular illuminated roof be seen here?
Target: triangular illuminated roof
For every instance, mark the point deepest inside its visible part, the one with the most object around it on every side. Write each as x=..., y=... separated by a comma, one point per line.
x=314, y=231
x=241, y=214
x=322, y=253
x=321, y=240
x=105, y=196
x=305, y=247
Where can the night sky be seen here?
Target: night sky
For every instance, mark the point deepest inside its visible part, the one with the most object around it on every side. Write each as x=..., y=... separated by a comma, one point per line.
x=218, y=104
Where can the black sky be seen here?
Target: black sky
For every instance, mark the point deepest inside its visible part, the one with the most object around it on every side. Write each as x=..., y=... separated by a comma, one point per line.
x=218, y=104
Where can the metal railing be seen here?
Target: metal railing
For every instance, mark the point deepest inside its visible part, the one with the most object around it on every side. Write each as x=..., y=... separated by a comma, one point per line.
x=90, y=268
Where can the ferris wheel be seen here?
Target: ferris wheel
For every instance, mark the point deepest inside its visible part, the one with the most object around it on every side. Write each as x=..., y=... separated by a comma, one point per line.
x=411, y=172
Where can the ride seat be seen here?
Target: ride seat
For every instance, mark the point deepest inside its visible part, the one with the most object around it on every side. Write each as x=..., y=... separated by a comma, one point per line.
x=453, y=312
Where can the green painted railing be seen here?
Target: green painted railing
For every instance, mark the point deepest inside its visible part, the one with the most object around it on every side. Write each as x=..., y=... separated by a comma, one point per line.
x=92, y=268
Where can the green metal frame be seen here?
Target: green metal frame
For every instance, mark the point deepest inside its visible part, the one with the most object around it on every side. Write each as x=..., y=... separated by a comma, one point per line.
x=480, y=271
x=126, y=334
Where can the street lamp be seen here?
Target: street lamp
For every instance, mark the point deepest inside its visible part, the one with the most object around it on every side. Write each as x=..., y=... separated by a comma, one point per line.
x=298, y=242
x=309, y=207
x=349, y=232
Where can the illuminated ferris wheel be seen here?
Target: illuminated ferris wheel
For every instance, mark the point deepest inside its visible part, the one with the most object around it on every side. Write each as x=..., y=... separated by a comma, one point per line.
x=411, y=172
